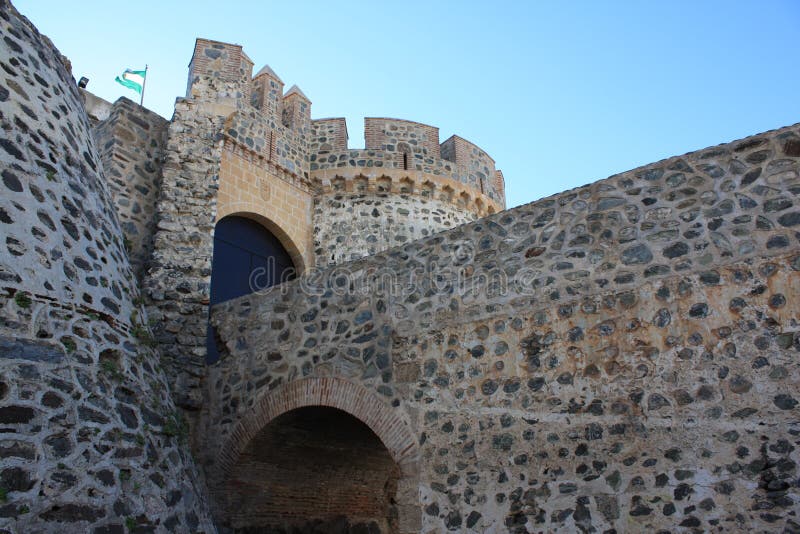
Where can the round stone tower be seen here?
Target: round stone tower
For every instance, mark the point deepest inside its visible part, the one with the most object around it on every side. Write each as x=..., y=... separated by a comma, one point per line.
x=91, y=439
x=403, y=186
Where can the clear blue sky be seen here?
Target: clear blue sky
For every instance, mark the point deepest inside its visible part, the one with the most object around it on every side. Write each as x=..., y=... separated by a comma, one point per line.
x=559, y=93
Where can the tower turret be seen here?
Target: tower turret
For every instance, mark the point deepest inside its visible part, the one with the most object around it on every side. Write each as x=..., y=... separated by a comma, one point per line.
x=268, y=93
x=226, y=64
x=297, y=110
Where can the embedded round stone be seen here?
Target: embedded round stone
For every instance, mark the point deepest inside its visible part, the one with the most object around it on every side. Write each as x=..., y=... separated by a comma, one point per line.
x=676, y=250
x=637, y=254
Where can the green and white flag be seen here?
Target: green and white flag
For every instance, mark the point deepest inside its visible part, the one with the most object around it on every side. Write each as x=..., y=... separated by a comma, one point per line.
x=133, y=79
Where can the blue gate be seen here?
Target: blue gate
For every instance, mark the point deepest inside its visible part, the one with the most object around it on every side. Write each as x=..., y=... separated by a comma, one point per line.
x=247, y=258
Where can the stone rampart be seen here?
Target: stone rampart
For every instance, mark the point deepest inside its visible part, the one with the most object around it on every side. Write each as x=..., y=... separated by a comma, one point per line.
x=618, y=357
x=366, y=220
x=397, y=189
x=621, y=355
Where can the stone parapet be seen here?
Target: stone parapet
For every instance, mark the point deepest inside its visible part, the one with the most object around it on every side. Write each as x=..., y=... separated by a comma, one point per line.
x=570, y=349
x=404, y=182
x=406, y=145
x=361, y=211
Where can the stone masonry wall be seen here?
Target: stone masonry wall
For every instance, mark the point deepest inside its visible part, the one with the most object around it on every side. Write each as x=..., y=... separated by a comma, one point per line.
x=226, y=63
x=477, y=164
x=618, y=356
x=352, y=226
x=420, y=141
x=665, y=408
x=233, y=150
x=328, y=135
x=131, y=143
x=217, y=113
x=398, y=189
x=178, y=284
x=91, y=441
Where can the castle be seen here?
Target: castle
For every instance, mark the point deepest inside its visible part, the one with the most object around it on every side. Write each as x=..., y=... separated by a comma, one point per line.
x=233, y=322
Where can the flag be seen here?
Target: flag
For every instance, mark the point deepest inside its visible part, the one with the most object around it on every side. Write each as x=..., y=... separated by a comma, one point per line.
x=133, y=79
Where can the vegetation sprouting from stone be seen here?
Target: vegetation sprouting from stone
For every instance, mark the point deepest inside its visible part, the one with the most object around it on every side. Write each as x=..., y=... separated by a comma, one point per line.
x=22, y=299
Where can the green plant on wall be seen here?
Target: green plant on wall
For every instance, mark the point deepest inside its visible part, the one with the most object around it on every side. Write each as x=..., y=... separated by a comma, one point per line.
x=176, y=426
x=22, y=299
x=69, y=343
x=110, y=368
x=141, y=332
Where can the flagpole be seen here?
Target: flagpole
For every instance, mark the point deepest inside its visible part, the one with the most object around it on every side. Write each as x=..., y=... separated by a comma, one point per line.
x=144, y=83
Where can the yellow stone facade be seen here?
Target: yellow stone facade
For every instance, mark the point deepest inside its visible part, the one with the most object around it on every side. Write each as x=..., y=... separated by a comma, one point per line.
x=251, y=187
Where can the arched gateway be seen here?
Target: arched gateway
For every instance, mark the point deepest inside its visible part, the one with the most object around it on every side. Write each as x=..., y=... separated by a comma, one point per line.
x=319, y=453
x=247, y=257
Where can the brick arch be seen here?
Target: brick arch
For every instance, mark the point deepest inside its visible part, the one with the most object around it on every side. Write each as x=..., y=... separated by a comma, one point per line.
x=394, y=432
x=248, y=211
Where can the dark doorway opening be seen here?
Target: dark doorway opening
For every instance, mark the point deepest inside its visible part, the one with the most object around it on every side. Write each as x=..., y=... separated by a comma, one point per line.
x=313, y=469
x=247, y=258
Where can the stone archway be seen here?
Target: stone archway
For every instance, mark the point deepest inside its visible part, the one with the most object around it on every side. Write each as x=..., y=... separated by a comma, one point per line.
x=297, y=404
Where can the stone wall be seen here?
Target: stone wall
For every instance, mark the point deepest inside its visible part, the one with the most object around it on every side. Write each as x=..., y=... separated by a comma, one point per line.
x=131, y=143
x=97, y=109
x=622, y=355
x=223, y=157
x=91, y=440
x=671, y=406
x=238, y=145
x=328, y=135
x=178, y=284
x=348, y=226
x=226, y=63
x=398, y=189
x=478, y=166
x=419, y=141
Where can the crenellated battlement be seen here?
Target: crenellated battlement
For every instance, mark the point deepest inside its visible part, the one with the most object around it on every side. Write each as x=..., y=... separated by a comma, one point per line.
x=277, y=125
x=333, y=202
x=398, y=144
x=402, y=136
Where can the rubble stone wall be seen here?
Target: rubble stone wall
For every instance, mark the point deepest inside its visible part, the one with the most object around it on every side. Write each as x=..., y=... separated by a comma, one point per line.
x=131, y=143
x=349, y=226
x=91, y=440
x=618, y=357
x=232, y=150
x=622, y=355
x=177, y=286
x=410, y=146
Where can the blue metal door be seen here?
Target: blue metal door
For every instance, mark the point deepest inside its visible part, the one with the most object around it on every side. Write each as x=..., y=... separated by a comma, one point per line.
x=247, y=258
